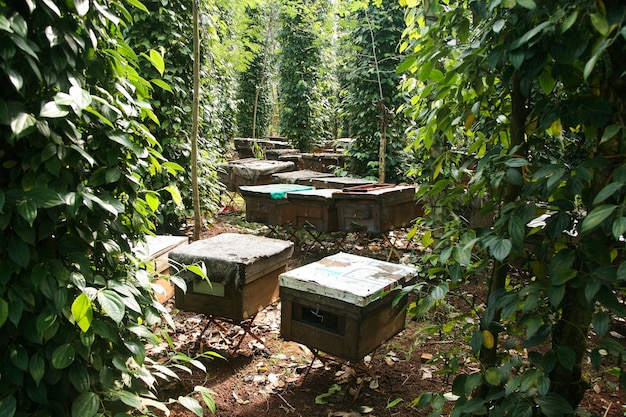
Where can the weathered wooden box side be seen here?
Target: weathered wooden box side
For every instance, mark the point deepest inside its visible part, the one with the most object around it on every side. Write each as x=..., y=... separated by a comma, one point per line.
x=337, y=327
x=315, y=210
x=250, y=171
x=158, y=248
x=343, y=304
x=323, y=162
x=268, y=204
x=230, y=302
x=377, y=212
x=264, y=209
x=242, y=269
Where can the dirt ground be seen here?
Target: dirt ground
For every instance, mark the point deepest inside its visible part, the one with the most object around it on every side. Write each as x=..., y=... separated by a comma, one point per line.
x=277, y=378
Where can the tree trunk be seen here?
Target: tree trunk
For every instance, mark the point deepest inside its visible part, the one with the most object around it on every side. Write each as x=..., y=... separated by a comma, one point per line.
x=519, y=113
x=571, y=332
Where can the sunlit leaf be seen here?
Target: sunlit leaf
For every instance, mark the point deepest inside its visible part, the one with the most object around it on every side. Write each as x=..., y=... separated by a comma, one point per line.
x=21, y=123
x=207, y=396
x=165, y=86
x=81, y=98
x=82, y=6
x=112, y=304
x=52, y=110
x=139, y=5
x=192, y=405
x=152, y=199
x=157, y=61
x=82, y=311
x=175, y=193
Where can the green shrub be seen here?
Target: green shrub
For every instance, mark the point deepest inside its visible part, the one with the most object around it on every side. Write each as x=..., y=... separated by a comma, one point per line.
x=76, y=305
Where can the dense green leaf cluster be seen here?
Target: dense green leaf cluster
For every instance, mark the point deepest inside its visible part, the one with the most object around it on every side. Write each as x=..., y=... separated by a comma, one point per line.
x=370, y=72
x=76, y=127
x=304, y=113
x=168, y=28
x=520, y=107
x=254, y=104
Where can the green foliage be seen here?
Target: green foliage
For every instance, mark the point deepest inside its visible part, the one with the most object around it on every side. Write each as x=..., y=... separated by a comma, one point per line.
x=254, y=106
x=168, y=28
x=76, y=304
x=304, y=114
x=369, y=72
x=520, y=114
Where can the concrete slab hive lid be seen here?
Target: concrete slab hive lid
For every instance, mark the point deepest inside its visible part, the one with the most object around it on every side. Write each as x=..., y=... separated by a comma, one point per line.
x=357, y=280
x=252, y=168
x=232, y=258
x=292, y=176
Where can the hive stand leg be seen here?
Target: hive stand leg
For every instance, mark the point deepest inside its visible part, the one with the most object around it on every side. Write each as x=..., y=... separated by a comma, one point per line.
x=392, y=248
x=311, y=230
x=246, y=325
x=339, y=245
x=308, y=369
x=360, y=364
x=229, y=205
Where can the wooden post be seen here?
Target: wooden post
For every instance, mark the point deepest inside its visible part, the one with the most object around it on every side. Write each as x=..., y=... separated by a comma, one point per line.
x=195, y=193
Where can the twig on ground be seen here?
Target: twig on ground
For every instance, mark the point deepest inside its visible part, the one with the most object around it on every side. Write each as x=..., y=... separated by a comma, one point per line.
x=285, y=401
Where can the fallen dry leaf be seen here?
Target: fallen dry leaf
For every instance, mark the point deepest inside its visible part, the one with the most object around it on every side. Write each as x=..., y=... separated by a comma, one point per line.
x=239, y=399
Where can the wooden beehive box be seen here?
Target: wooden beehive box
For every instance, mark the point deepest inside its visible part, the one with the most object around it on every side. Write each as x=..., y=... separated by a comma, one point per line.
x=268, y=203
x=302, y=177
x=376, y=208
x=314, y=209
x=275, y=154
x=295, y=158
x=343, y=304
x=323, y=161
x=243, y=271
x=158, y=248
x=339, y=182
x=250, y=171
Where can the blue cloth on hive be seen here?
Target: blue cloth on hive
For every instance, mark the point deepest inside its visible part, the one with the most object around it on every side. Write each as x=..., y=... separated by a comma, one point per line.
x=276, y=191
